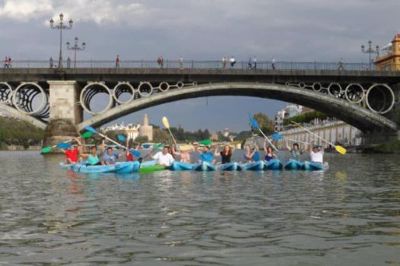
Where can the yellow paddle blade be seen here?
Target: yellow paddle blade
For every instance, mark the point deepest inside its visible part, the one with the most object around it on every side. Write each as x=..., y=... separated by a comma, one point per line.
x=165, y=122
x=340, y=150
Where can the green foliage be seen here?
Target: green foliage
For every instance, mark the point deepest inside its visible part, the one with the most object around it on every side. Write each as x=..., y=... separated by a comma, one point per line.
x=142, y=139
x=265, y=123
x=161, y=136
x=181, y=135
x=16, y=132
x=305, y=118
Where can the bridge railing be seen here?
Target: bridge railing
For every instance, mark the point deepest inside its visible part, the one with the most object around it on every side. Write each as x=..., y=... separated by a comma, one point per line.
x=193, y=64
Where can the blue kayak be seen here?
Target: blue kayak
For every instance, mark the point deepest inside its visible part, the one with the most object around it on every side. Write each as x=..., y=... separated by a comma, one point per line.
x=127, y=167
x=273, y=164
x=293, y=164
x=119, y=167
x=254, y=166
x=204, y=166
x=180, y=166
x=313, y=166
x=231, y=167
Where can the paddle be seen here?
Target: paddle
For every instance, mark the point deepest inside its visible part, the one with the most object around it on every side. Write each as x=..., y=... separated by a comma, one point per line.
x=254, y=124
x=65, y=144
x=205, y=142
x=166, y=125
x=277, y=136
x=338, y=148
x=91, y=129
x=121, y=138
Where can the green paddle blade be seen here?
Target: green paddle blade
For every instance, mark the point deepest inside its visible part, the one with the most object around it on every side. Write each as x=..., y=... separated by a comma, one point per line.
x=205, y=142
x=46, y=149
x=87, y=135
x=158, y=146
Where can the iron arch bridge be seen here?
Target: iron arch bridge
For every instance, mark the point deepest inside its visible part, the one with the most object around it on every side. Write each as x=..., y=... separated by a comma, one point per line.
x=361, y=105
x=364, y=105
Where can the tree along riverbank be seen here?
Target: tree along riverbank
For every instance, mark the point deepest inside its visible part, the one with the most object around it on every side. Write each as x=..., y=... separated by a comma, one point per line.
x=15, y=134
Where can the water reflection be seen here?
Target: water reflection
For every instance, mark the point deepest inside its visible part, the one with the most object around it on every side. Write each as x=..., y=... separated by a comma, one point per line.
x=348, y=215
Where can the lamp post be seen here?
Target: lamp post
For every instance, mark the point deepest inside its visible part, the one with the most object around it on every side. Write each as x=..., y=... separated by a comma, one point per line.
x=61, y=26
x=76, y=48
x=370, y=51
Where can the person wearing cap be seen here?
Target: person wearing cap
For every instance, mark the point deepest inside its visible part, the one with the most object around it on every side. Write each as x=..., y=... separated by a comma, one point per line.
x=163, y=157
x=317, y=154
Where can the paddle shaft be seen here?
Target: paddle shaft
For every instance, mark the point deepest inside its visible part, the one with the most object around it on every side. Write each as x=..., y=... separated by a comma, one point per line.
x=312, y=133
x=273, y=146
x=111, y=140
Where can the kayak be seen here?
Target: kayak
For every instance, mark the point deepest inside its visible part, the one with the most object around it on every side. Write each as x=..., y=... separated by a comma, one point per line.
x=314, y=166
x=231, y=167
x=293, y=164
x=151, y=169
x=180, y=166
x=148, y=163
x=119, y=168
x=254, y=166
x=127, y=167
x=273, y=164
x=204, y=166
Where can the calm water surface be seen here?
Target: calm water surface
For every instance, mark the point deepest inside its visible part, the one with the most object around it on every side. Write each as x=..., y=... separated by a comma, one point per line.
x=349, y=215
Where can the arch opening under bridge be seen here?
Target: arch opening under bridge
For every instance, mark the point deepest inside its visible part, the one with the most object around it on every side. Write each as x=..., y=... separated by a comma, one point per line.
x=351, y=113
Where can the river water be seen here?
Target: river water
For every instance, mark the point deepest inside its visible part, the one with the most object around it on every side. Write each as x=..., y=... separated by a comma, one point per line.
x=349, y=215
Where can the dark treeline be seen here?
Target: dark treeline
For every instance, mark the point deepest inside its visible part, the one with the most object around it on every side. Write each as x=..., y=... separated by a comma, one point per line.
x=16, y=132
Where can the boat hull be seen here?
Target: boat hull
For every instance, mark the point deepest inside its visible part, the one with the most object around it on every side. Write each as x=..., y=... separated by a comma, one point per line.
x=313, y=166
x=231, y=167
x=273, y=164
x=254, y=166
x=204, y=166
x=180, y=166
x=294, y=165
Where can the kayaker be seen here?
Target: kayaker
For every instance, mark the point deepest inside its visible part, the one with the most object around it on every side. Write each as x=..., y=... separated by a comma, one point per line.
x=295, y=151
x=72, y=154
x=163, y=157
x=226, y=154
x=109, y=157
x=206, y=155
x=184, y=155
x=92, y=158
x=252, y=154
x=317, y=154
x=269, y=152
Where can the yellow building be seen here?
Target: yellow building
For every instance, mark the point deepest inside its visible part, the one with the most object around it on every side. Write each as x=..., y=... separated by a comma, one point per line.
x=390, y=59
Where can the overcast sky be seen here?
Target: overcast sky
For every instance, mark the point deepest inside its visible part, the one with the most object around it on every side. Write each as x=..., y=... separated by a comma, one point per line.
x=299, y=30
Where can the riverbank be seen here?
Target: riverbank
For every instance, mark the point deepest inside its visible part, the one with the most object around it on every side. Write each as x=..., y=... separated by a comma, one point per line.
x=19, y=148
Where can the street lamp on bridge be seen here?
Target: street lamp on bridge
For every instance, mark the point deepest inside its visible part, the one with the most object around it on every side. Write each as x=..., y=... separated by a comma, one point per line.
x=370, y=51
x=61, y=26
x=76, y=48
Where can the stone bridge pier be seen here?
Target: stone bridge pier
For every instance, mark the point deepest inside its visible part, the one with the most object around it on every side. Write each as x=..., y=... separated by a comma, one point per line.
x=65, y=111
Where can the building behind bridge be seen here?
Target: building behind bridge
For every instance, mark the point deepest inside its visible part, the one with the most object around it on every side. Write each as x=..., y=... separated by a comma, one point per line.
x=333, y=130
x=132, y=131
x=390, y=59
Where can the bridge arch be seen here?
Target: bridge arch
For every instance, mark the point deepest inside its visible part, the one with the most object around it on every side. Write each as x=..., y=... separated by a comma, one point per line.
x=23, y=116
x=351, y=113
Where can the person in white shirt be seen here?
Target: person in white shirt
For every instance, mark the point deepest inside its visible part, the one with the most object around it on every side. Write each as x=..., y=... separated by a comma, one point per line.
x=164, y=158
x=317, y=154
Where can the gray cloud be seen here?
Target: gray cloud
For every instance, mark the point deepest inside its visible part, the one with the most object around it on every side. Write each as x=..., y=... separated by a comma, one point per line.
x=293, y=30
